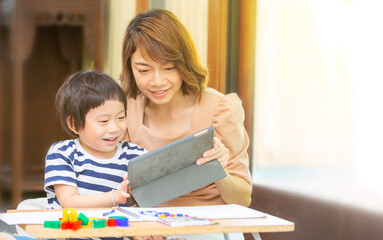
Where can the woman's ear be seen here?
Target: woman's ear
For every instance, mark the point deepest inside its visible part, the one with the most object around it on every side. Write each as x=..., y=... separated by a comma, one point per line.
x=71, y=126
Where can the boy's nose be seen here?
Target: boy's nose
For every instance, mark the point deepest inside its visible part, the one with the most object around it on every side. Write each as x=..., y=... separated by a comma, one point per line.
x=113, y=126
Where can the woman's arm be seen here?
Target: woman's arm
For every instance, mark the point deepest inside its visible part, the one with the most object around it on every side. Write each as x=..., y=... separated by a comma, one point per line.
x=68, y=196
x=233, y=189
x=230, y=148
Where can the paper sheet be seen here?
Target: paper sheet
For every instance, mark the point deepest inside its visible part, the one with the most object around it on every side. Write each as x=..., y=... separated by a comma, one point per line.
x=212, y=212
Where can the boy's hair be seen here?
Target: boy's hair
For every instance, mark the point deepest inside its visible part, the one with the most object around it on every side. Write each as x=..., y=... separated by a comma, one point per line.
x=161, y=37
x=83, y=91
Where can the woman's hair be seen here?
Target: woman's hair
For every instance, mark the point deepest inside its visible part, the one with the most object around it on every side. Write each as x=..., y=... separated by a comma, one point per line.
x=83, y=91
x=161, y=37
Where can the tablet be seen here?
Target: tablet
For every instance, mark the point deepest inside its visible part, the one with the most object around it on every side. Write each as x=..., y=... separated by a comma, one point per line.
x=170, y=171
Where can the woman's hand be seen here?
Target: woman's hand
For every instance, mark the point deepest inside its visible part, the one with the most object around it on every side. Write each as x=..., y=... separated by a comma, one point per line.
x=219, y=152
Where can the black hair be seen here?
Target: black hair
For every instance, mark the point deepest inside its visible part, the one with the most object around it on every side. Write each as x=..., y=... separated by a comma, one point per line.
x=83, y=91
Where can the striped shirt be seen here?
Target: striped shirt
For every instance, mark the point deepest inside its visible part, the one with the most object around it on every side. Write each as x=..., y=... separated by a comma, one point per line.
x=68, y=163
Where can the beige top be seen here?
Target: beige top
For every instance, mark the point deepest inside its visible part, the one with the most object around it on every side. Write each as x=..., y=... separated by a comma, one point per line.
x=225, y=114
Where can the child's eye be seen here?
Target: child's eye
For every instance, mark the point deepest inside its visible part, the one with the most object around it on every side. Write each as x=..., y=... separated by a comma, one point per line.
x=103, y=121
x=170, y=68
x=143, y=71
x=122, y=117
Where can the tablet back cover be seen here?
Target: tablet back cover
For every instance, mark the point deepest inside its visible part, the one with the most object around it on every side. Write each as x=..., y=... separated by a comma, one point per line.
x=170, y=171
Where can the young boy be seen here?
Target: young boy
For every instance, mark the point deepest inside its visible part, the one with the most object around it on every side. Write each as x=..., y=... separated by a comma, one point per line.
x=90, y=170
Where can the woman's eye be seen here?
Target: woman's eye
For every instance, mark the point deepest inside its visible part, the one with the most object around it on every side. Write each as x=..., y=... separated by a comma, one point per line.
x=170, y=68
x=121, y=117
x=103, y=121
x=143, y=71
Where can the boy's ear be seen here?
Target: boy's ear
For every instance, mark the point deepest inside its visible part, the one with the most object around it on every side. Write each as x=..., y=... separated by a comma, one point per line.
x=70, y=123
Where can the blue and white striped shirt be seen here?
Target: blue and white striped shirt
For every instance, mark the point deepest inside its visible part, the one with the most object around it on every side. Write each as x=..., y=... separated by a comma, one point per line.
x=68, y=163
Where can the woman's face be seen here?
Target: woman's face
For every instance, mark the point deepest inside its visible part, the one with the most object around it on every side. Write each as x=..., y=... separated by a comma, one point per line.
x=160, y=82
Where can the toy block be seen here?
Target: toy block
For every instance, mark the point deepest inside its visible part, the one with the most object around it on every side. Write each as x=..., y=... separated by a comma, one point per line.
x=111, y=222
x=118, y=217
x=76, y=225
x=122, y=222
x=84, y=219
x=70, y=215
x=66, y=225
x=99, y=223
x=52, y=224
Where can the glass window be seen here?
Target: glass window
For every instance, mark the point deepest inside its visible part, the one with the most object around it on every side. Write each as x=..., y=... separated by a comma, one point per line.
x=318, y=120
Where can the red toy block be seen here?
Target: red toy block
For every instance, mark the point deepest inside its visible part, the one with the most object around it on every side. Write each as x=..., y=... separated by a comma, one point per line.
x=76, y=225
x=111, y=222
x=66, y=225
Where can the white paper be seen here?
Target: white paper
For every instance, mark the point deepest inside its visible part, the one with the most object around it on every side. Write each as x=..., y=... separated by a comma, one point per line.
x=212, y=212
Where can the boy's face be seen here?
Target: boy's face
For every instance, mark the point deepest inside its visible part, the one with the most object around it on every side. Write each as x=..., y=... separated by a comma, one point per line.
x=104, y=128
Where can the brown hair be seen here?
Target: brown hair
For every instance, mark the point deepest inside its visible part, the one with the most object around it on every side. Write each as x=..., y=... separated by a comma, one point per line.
x=83, y=91
x=161, y=37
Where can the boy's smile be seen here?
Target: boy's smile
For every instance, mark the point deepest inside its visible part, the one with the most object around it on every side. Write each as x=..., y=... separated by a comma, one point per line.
x=104, y=128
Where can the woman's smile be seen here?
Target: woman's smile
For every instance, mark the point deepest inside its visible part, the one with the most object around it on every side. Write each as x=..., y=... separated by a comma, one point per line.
x=160, y=94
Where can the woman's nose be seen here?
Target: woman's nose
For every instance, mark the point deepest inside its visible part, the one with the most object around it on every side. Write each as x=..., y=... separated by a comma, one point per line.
x=157, y=79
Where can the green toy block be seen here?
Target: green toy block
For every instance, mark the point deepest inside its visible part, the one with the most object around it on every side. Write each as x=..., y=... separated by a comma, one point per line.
x=52, y=224
x=84, y=219
x=99, y=223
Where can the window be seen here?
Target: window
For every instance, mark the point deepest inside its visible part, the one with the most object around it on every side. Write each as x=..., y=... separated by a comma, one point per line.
x=318, y=123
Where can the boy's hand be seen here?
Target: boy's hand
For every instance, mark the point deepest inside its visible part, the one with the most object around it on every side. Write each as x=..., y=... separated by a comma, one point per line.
x=123, y=191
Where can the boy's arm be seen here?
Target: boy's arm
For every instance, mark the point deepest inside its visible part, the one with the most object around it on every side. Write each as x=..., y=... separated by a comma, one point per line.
x=68, y=197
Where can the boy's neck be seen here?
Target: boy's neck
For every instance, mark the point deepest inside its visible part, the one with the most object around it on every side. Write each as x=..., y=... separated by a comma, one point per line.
x=96, y=153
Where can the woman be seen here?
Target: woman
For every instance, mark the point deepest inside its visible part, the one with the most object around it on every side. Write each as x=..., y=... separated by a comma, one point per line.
x=165, y=84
